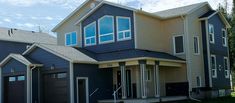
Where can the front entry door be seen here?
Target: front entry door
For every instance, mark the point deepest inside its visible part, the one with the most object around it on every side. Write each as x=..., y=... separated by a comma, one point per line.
x=128, y=83
x=82, y=85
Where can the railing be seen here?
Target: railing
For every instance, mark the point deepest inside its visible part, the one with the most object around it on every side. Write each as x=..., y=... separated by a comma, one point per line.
x=114, y=94
x=94, y=91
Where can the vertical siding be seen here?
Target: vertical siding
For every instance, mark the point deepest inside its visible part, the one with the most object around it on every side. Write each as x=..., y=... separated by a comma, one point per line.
x=117, y=45
x=7, y=47
x=48, y=59
x=220, y=51
x=97, y=78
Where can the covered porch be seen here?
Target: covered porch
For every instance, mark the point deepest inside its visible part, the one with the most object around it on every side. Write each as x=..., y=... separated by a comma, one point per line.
x=147, y=79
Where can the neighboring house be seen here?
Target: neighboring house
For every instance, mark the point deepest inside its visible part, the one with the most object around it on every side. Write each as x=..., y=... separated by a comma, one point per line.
x=106, y=49
x=17, y=41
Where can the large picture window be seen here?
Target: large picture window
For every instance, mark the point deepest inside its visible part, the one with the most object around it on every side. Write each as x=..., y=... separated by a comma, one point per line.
x=178, y=44
x=71, y=39
x=211, y=33
x=213, y=66
x=106, y=29
x=123, y=28
x=90, y=34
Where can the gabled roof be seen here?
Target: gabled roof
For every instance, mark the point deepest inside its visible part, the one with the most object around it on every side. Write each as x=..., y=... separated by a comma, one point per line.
x=16, y=35
x=67, y=53
x=71, y=14
x=19, y=58
x=180, y=11
x=210, y=14
x=130, y=54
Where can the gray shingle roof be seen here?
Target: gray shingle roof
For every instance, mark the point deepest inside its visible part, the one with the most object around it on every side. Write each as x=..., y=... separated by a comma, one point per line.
x=178, y=11
x=17, y=35
x=68, y=52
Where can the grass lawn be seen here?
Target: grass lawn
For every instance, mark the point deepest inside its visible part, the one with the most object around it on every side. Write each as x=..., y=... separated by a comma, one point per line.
x=230, y=99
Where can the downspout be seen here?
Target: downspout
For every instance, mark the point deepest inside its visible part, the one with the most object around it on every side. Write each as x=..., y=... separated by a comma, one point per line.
x=187, y=58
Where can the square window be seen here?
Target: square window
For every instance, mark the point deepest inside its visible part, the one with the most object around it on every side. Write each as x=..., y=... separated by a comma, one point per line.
x=21, y=78
x=12, y=79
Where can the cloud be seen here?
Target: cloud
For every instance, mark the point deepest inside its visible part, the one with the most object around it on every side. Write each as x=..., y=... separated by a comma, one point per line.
x=29, y=25
x=49, y=18
x=7, y=20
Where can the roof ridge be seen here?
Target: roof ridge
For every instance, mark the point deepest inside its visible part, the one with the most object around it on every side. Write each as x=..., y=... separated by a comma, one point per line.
x=182, y=6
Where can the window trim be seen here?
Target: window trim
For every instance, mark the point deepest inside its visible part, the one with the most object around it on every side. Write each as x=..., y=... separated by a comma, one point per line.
x=110, y=41
x=174, y=36
x=226, y=38
x=213, y=34
x=214, y=76
x=198, y=45
x=84, y=35
x=228, y=69
x=70, y=33
x=117, y=32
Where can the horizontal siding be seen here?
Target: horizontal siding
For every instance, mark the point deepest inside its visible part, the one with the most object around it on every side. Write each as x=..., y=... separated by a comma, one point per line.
x=13, y=64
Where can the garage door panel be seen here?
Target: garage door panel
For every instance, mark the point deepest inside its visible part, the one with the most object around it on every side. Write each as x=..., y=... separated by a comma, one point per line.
x=55, y=88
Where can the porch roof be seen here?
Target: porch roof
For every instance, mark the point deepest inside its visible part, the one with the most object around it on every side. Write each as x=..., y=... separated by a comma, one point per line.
x=129, y=54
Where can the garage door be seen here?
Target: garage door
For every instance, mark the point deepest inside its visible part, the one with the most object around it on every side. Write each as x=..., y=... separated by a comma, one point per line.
x=55, y=88
x=14, y=89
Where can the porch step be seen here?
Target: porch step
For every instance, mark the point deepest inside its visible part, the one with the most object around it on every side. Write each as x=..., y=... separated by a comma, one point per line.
x=149, y=100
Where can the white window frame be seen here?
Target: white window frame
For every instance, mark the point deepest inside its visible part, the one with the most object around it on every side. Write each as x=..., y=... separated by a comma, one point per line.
x=224, y=38
x=200, y=81
x=175, y=44
x=110, y=41
x=226, y=71
x=124, y=31
x=198, y=45
x=84, y=35
x=70, y=33
x=213, y=76
x=212, y=34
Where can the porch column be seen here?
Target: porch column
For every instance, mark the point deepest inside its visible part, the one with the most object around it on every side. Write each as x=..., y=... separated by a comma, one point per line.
x=123, y=79
x=143, y=78
x=71, y=82
x=28, y=84
x=157, y=79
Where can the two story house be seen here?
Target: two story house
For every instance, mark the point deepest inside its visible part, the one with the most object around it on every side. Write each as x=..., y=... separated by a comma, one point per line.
x=108, y=52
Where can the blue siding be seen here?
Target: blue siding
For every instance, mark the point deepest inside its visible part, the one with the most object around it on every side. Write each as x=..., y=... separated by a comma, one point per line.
x=48, y=59
x=115, y=11
x=7, y=47
x=13, y=64
x=220, y=51
x=98, y=78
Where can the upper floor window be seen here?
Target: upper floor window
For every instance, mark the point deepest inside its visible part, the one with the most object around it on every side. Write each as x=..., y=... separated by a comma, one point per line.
x=71, y=39
x=211, y=33
x=106, y=29
x=178, y=44
x=213, y=66
x=224, y=37
x=123, y=28
x=196, y=45
x=90, y=34
x=226, y=67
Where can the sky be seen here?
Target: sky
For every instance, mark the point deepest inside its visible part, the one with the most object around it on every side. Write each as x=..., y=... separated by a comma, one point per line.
x=46, y=14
